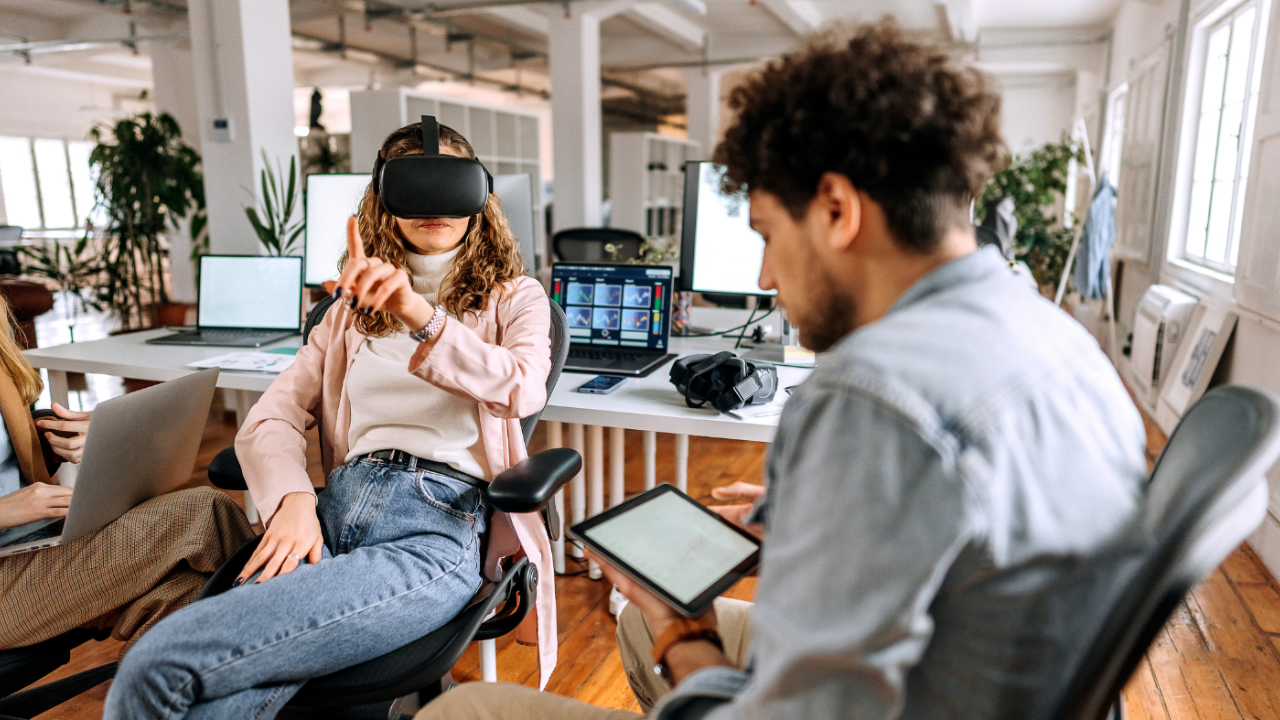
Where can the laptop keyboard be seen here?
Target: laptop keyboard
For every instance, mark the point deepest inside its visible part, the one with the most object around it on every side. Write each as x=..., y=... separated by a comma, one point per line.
x=234, y=332
x=615, y=355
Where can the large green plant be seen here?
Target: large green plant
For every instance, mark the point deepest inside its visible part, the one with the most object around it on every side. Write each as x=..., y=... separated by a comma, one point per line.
x=74, y=268
x=148, y=180
x=278, y=232
x=1036, y=182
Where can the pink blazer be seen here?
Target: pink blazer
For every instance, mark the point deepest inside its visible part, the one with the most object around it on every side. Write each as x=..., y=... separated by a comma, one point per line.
x=498, y=359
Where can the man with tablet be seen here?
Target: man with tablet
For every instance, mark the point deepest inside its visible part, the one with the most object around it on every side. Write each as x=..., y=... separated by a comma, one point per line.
x=952, y=491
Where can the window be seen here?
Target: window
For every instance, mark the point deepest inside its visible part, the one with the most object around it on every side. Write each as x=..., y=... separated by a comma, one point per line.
x=1223, y=127
x=47, y=183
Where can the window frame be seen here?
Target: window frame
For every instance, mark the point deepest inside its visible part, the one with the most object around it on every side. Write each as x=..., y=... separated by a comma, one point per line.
x=1204, y=273
x=81, y=216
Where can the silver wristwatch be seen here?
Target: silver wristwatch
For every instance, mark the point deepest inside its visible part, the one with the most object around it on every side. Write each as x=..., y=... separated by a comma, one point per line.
x=433, y=327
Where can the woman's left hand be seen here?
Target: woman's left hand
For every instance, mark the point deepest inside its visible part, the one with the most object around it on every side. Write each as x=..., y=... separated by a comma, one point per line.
x=66, y=436
x=372, y=284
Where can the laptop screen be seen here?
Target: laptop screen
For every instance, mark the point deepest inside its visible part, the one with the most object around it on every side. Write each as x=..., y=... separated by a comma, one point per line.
x=623, y=305
x=241, y=291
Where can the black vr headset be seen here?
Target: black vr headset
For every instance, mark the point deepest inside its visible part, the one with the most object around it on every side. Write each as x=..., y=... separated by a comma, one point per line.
x=725, y=380
x=431, y=184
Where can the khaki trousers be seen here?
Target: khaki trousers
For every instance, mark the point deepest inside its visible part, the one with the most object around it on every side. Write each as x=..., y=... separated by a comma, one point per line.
x=127, y=576
x=506, y=701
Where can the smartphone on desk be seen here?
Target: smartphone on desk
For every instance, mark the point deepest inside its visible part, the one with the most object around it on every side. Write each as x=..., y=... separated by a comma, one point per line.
x=601, y=384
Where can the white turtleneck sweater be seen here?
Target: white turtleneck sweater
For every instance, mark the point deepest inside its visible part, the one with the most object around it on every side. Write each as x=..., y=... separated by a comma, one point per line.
x=394, y=410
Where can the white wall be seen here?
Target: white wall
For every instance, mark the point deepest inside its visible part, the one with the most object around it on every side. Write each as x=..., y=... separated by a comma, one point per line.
x=44, y=102
x=1037, y=109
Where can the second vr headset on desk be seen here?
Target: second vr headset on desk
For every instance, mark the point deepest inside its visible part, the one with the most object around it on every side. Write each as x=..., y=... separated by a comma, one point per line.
x=432, y=184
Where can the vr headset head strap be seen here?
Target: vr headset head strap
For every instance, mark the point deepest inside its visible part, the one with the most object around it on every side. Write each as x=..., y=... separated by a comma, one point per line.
x=430, y=135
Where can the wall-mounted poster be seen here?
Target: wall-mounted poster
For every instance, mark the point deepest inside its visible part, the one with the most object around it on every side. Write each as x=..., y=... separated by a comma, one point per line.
x=1197, y=359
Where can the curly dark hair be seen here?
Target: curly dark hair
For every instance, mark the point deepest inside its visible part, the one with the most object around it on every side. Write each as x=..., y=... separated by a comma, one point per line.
x=907, y=123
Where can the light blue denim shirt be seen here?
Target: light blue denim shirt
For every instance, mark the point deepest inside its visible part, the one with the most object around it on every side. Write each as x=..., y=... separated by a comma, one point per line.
x=950, y=495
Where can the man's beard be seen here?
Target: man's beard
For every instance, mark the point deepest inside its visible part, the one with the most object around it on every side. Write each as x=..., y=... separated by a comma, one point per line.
x=832, y=317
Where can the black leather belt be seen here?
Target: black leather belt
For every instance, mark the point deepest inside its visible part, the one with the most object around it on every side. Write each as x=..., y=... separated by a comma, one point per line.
x=414, y=463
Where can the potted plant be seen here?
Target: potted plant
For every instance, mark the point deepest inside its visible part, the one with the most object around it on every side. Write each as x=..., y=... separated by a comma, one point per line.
x=148, y=180
x=276, y=229
x=73, y=269
x=1036, y=182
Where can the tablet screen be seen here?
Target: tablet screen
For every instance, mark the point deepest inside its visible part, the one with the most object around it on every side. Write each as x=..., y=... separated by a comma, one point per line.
x=673, y=543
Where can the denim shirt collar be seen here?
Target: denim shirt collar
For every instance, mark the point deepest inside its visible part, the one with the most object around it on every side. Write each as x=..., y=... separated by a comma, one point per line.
x=971, y=268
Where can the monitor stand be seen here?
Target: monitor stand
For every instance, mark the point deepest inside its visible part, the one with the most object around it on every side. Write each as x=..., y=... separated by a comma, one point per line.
x=770, y=352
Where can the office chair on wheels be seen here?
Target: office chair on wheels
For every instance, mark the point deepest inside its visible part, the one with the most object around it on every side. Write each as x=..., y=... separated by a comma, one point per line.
x=596, y=245
x=1208, y=492
x=393, y=685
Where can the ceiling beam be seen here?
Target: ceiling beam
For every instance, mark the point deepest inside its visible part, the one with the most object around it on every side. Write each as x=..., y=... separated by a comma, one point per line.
x=668, y=23
x=800, y=16
x=522, y=18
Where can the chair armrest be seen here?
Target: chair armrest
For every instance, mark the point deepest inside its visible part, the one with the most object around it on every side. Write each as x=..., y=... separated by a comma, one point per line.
x=225, y=472
x=529, y=484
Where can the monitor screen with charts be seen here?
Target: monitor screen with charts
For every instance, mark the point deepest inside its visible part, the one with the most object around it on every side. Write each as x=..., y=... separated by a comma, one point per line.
x=719, y=252
x=624, y=305
x=331, y=199
x=242, y=291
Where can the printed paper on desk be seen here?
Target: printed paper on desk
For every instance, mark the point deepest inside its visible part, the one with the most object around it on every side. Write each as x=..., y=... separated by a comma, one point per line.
x=250, y=361
x=769, y=409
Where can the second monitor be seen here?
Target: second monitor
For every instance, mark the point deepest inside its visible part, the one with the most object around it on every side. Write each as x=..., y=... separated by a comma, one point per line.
x=719, y=252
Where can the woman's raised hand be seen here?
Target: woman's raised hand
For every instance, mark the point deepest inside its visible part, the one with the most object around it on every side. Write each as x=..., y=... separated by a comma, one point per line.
x=371, y=284
x=294, y=534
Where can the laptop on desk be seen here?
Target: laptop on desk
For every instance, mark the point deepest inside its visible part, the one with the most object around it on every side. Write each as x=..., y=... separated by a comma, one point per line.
x=245, y=301
x=618, y=315
x=139, y=446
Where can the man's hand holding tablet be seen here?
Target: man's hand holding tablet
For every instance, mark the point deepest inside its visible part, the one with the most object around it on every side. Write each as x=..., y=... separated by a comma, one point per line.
x=671, y=557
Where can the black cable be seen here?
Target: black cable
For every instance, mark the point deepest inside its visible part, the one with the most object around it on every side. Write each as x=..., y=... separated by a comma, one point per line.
x=731, y=330
x=750, y=319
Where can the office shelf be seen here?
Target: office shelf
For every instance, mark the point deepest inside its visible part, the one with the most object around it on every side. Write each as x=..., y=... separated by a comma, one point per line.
x=646, y=182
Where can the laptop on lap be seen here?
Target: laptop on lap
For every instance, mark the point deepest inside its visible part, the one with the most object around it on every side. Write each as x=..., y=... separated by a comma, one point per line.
x=244, y=301
x=139, y=446
x=618, y=316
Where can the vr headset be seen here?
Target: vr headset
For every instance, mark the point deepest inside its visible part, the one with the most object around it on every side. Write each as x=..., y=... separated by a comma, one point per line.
x=432, y=184
x=724, y=380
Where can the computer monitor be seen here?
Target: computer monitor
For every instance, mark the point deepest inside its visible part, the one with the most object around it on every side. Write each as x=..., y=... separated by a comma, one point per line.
x=331, y=199
x=516, y=193
x=719, y=252
x=246, y=291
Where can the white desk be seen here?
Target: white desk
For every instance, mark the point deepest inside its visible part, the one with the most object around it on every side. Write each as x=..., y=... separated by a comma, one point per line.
x=650, y=404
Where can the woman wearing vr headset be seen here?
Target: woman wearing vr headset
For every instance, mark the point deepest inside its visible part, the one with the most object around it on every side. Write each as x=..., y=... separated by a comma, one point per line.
x=418, y=376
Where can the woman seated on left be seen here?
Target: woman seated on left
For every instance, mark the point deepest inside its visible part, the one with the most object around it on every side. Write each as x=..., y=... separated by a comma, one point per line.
x=150, y=562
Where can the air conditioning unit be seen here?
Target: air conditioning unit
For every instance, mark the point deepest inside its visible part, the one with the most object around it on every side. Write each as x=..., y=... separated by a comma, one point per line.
x=1163, y=317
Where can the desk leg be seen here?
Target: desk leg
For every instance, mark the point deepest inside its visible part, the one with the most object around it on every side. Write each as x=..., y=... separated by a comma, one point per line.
x=489, y=660
x=617, y=465
x=650, y=459
x=595, y=481
x=578, y=486
x=555, y=439
x=682, y=462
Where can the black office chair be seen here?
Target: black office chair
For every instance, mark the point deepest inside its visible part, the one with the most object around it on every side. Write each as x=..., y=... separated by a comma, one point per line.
x=597, y=245
x=1207, y=493
x=399, y=681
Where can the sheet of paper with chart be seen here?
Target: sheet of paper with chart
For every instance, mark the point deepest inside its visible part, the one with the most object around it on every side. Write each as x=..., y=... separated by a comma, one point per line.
x=674, y=544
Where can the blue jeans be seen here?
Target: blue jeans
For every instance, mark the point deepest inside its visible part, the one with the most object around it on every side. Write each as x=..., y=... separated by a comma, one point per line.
x=401, y=558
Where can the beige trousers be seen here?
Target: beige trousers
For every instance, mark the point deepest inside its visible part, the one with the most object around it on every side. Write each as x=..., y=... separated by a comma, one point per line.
x=506, y=701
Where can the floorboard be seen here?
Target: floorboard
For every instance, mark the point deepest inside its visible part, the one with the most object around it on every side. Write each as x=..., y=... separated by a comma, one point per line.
x=1217, y=659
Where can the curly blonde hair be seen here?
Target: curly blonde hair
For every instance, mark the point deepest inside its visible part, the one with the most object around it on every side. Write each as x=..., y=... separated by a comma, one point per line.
x=489, y=258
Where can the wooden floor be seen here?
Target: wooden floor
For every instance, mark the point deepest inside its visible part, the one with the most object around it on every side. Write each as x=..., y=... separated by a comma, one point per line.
x=1218, y=658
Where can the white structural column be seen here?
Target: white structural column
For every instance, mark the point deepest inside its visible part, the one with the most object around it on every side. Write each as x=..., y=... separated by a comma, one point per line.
x=578, y=485
x=702, y=107
x=175, y=94
x=242, y=57
x=650, y=459
x=617, y=465
x=555, y=439
x=573, y=39
x=682, y=462
x=595, y=481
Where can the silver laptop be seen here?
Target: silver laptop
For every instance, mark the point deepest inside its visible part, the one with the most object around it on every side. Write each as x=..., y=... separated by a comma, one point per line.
x=245, y=301
x=140, y=446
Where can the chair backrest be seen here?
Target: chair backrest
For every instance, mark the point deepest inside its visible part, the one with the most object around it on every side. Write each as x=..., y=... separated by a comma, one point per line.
x=315, y=315
x=559, y=354
x=1208, y=492
x=10, y=234
x=607, y=245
